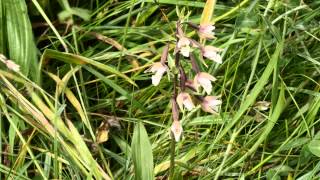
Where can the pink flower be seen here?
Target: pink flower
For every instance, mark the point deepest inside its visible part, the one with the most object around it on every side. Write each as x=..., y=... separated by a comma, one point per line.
x=176, y=130
x=211, y=52
x=184, y=46
x=158, y=69
x=12, y=65
x=206, y=31
x=184, y=99
x=211, y=104
x=204, y=79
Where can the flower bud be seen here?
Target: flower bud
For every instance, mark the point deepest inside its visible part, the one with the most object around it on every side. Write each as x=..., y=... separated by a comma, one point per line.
x=176, y=130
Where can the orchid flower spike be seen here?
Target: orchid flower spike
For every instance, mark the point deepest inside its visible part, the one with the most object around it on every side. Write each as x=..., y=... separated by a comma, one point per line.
x=176, y=130
x=158, y=69
x=211, y=104
x=211, y=53
x=204, y=79
x=184, y=100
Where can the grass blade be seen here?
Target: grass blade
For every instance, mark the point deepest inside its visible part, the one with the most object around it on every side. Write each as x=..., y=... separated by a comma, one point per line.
x=80, y=60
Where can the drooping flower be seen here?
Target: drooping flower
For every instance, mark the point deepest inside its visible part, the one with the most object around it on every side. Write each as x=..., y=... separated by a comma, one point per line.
x=184, y=46
x=204, y=79
x=184, y=99
x=176, y=130
x=211, y=53
x=206, y=31
x=211, y=104
x=12, y=65
x=158, y=69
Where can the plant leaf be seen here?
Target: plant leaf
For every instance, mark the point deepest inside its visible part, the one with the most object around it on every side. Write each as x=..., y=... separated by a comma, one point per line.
x=21, y=46
x=142, y=153
x=81, y=60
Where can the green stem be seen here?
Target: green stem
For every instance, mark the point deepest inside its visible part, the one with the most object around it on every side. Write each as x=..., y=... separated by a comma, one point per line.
x=172, y=156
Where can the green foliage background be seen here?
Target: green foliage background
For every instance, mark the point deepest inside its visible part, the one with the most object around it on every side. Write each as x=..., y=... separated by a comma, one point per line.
x=82, y=78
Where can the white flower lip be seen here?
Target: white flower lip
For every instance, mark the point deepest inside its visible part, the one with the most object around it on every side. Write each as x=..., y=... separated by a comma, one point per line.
x=183, y=46
x=158, y=69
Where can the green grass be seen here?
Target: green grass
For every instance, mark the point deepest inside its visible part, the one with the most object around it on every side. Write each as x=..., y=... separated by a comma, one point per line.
x=83, y=76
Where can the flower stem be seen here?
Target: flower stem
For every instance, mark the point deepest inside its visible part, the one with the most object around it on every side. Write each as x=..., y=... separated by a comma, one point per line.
x=172, y=155
x=194, y=64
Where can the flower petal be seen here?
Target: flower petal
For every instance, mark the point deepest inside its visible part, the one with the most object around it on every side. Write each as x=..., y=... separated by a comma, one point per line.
x=211, y=53
x=206, y=31
x=183, y=41
x=205, y=75
x=211, y=104
x=184, y=99
x=206, y=84
x=159, y=69
x=176, y=130
x=156, y=79
x=185, y=51
x=204, y=79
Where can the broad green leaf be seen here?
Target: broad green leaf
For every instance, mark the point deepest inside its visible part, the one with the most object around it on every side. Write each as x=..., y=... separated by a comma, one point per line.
x=314, y=147
x=311, y=174
x=2, y=29
x=142, y=154
x=21, y=46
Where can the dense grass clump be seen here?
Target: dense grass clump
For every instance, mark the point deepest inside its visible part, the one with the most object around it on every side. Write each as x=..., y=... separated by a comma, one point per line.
x=77, y=101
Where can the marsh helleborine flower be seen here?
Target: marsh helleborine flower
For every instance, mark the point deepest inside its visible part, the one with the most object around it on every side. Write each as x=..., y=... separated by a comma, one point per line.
x=211, y=53
x=176, y=130
x=12, y=65
x=184, y=99
x=206, y=31
x=204, y=79
x=184, y=46
x=158, y=69
x=211, y=104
